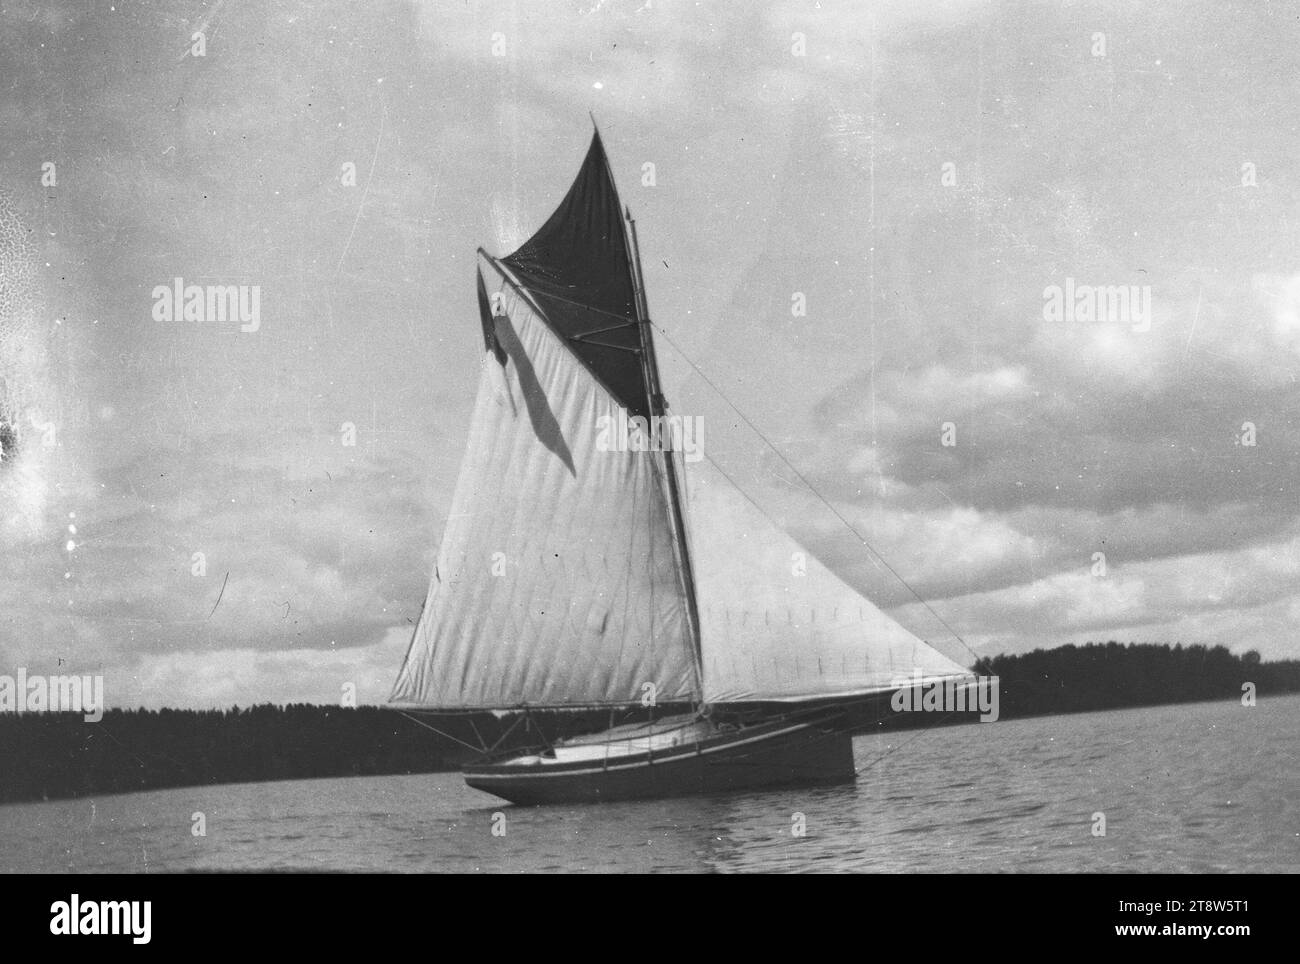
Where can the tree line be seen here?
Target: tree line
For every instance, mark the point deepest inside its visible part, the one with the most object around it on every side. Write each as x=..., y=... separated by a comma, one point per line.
x=51, y=755
x=1105, y=676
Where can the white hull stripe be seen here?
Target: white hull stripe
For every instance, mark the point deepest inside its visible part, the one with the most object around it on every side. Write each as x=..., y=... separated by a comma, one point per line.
x=672, y=756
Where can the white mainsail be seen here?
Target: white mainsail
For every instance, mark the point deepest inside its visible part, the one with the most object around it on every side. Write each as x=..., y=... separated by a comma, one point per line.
x=556, y=582
x=775, y=623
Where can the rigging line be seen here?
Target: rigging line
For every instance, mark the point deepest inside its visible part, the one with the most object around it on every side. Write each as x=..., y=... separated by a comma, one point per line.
x=540, y=289
x=925, y=731
x=821, y=498
x=736, y=485
x=468, y=746
x=768, y=516
x=510, y=729
x=623, y=325
x=477, y=735
x=604, y=344
x=529, y=297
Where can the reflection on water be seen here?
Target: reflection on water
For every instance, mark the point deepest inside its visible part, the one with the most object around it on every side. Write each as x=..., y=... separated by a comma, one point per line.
x=1196, y=788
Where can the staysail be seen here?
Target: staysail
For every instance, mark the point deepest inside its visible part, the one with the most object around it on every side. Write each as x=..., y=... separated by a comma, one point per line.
x=776, y=625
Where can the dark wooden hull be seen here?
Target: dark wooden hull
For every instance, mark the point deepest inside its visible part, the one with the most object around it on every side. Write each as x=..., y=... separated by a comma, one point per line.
x=766, y=755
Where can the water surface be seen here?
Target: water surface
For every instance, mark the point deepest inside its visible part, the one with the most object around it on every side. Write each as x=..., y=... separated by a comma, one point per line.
x=1194, y=788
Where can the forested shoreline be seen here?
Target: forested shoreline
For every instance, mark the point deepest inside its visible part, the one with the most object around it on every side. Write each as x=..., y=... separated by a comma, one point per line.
x=1104, y=676
x=53, y=755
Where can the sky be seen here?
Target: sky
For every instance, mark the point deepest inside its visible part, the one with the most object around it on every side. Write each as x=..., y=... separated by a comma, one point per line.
x=857, y=217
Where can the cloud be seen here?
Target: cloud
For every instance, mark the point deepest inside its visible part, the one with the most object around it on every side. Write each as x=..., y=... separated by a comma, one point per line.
x=244, y=676
x=777, y=175
x=1146, y=599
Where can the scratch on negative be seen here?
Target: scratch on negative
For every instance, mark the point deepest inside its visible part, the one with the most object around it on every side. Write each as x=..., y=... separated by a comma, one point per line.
x=220, y=594
x=365, y=190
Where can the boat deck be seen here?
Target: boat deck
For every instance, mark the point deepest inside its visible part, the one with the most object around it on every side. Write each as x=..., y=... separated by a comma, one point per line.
x=627, y=740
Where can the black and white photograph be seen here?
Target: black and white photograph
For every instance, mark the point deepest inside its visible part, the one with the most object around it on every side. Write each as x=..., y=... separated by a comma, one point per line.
x=651, y=437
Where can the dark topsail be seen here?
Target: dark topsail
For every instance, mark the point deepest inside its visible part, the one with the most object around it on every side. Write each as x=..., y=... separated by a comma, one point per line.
x=577, y=266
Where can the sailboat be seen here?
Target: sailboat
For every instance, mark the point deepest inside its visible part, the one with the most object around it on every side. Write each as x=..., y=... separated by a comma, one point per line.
x=578, y=575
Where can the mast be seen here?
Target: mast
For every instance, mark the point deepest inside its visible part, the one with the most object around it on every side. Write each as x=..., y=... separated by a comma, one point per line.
x=658, y=406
